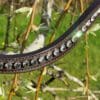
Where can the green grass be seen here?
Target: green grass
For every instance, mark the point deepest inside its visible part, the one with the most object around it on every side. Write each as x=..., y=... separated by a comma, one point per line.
x=73, y=62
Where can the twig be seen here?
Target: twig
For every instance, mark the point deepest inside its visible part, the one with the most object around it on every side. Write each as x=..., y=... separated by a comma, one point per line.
x=82, y=6
x=87, y=66
x=14, y=85
x=39, y=84
x=51, y=40
x=26, y=34
x=73, y=11
x=70, y=77
x=52, y=89
x=45, y=88
x=60, y=18
x=76, y=80
x=44, y=69
x=87, y=58
x=67, y=5
x=29, y=28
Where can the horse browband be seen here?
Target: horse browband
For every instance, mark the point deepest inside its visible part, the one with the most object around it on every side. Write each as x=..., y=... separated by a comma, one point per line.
x=42, y=57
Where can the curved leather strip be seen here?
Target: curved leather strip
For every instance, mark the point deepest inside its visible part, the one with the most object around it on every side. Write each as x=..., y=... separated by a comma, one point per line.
x=34, y=60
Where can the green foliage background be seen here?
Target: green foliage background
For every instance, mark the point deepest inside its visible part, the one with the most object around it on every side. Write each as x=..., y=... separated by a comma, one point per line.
x=73, y=62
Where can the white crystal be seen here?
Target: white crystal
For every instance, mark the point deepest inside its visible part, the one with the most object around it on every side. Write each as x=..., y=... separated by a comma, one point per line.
x=17, y=65
x=32, y=62
x=63, y=47
x=49, y=55
x=25, y=63
x=8, y=65
x=56, y=52
x=69, y=43
x=41, y=59
x=76, y=36
x=1, y=65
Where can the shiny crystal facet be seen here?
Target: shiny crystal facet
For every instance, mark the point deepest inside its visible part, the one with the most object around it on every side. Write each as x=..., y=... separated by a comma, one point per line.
x=25, y=63
x=62, y=48
x=84, y=28
x=56, y=52
x=49, y=55
x=77, y=36
x=8, y=65
x=17, y=65
x=74, y=39
x=69, y=43
x=1, y=65
x=32, y=62
x=41, y=59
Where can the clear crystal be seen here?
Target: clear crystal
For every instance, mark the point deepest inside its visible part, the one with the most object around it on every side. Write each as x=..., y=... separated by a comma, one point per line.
x=1, y=65
x=41, y=59
x=77, y=36
x=56, y=52
x=74, y=39
x=84, y=28
x=69, y=43
x=62, y=48
x=8, y=65
x=17, y=65
x=33, y=62
x=49, y=55
x=25, y=63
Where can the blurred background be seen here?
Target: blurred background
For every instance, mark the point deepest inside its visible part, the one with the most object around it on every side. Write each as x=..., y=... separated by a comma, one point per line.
x=28, y=25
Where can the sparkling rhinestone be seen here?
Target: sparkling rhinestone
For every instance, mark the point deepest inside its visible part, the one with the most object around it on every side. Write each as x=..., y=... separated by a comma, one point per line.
x=94, y=16
x=49, y=55
x=84, y=28
x=41, y=59
x=8, y=65
x=88, y=23
x=56, y=52
x=17, y=65
x=33, y=61
x=62, y=48
x=25, y=63
x=1, y=65
x=74, y=39
x=77, y=36
x=69, y=44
